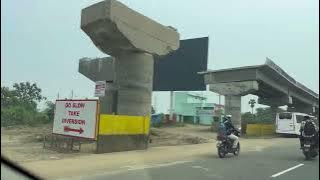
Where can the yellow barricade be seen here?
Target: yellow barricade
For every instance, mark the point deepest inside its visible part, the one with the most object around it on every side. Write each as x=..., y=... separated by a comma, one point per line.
x=260, y=129
x=267, y=129
x=123, y=125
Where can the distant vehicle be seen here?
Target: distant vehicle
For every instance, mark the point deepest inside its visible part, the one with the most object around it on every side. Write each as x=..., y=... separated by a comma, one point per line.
x=289, y=122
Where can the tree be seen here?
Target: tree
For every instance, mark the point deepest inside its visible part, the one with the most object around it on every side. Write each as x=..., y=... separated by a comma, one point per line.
x=49, y=111
x=8, y=97
x=19, y=105
x=218, y=112
x=263, y=115
x=252, y=103
x=246, y=118
x=28, y=94
x=267, y=115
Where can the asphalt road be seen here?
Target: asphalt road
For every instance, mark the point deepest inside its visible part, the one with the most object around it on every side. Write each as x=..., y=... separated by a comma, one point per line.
x=285, y=162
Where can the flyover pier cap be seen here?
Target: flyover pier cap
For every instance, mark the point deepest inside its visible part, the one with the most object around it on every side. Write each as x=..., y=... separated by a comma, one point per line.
x=114, y=28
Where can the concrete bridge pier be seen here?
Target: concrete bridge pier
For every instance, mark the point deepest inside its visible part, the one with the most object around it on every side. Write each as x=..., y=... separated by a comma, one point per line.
x=102, y=69
x=132, y=39
x=134, y=75
x=233, y=107
x=233, y=92
x=108, y=103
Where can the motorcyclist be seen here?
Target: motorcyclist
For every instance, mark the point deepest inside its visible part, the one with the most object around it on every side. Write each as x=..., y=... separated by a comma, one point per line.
x=230, y=130
x=304, y=133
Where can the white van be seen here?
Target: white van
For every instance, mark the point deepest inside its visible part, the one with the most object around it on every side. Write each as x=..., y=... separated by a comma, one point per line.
x=289, y=122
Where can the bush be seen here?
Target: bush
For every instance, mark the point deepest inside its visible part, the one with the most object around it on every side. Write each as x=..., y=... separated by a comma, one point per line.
x=19, y=105
x=15, y=115
x=49, y=111
x=5, y=117
x=41, y=118
x=18, y=115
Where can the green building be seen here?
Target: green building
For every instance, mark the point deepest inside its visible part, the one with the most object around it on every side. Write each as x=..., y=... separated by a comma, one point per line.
x=193, y=108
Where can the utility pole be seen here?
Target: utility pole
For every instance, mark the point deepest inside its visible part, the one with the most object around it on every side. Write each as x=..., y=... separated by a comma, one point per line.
x=155, y=103
x=219, y=99
x=71, y=94
x=171, y=104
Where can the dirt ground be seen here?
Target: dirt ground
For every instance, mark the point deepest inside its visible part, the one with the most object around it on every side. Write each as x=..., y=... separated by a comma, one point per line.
x=200, y=131
x=25, y=144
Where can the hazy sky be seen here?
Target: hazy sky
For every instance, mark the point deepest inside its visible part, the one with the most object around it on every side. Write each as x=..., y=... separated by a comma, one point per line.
x=41, y=41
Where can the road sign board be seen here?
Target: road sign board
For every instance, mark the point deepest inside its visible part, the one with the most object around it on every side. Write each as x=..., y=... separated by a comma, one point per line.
x=77, y=118
x=100, y=88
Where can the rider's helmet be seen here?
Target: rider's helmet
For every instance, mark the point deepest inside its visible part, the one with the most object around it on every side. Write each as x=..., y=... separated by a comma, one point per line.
x=227, y=118
x=306, y=117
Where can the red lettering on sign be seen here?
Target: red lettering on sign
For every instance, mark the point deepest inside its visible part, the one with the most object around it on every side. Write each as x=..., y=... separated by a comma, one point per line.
x=68, y=129
x=73, y=113
x=78, y=105
x=73, y=121
x=100, y=86
x=67, y=105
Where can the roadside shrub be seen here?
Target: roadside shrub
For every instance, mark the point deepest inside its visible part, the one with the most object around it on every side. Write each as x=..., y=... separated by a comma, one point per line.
x=5, y=118
x=41, y=118
x=18, y=115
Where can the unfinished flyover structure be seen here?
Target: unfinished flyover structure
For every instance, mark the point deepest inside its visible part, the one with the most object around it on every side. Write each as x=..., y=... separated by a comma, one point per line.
x=273, y=86
x=132, y=40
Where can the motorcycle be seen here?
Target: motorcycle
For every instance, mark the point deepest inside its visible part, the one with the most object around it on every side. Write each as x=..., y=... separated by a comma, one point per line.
x=310, y=149
x=224, y=145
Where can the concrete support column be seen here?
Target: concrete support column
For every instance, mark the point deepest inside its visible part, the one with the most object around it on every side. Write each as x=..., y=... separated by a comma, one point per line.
x=274, y=110
x=132, y=39
x=133, y=76
x=108, y=103
x=233, y=107
x=133, y=85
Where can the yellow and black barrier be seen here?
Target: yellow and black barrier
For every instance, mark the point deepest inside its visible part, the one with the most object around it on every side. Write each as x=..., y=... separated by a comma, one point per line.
x=121, y=133
x=260, y=129
x=123, y=125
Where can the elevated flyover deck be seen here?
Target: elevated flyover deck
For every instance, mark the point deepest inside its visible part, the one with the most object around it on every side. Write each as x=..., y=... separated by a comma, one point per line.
x=268, y=81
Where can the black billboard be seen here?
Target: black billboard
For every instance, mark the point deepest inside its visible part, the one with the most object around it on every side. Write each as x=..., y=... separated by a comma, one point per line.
x=178, y=71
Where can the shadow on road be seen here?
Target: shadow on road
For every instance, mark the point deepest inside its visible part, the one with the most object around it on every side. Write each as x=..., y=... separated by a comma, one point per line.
x=214, y=155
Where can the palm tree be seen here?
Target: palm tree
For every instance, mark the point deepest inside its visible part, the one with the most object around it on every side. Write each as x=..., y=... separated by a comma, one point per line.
x=252, y=103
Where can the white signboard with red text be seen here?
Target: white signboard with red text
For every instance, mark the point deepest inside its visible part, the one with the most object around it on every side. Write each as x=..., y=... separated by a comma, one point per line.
x=100, y=89
x=77, y=118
